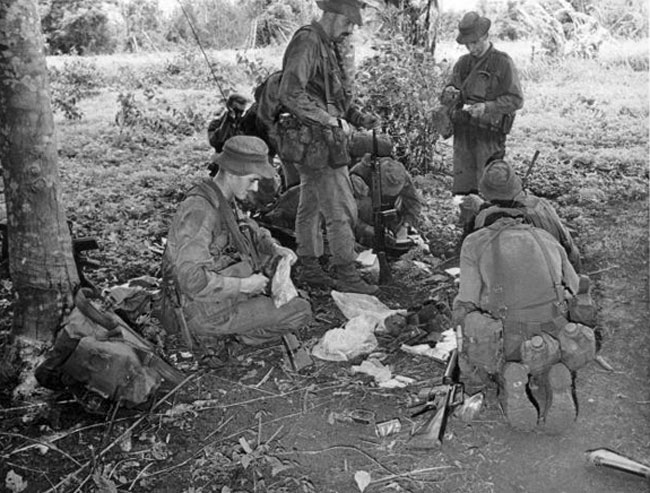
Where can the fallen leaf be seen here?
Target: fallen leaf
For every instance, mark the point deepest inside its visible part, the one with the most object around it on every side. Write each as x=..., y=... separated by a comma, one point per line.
x=245, y=445
x=14, y=482
x=363, y=479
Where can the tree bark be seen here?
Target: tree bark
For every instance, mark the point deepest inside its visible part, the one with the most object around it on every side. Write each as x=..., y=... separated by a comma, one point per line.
x=41, y=264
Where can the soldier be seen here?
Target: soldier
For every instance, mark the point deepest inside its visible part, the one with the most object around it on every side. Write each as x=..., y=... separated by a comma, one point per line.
x=502, y=189
x=515, y=284
x=313, y=133
x=483, y=95
x=229, y=122
x=216, y=262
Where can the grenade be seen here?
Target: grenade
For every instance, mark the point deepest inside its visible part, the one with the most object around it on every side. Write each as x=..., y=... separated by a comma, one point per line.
x=577, y=344
x=540, y=353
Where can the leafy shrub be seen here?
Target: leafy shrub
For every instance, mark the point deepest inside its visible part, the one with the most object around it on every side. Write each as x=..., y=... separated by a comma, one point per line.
x=77, y=79
x=77, y=26
x=278, y=20
x=157, y=117
x=401, y=84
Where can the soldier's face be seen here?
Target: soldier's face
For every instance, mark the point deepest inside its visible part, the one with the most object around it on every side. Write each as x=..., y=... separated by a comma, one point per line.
x=478, y=47
x=241, y=185
x=342, y=27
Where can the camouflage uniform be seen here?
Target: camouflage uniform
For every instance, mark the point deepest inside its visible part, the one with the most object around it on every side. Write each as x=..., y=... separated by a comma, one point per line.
x=203, y=264
x=477, y=140
x=310, y=57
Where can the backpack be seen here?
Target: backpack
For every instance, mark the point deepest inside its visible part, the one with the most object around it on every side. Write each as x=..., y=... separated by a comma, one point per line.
x=267, y=99
x=102, y=361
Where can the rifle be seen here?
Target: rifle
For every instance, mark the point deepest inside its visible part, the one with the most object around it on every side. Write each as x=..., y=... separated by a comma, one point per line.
x=529, y=170
x=447, y=396
x=379, y=215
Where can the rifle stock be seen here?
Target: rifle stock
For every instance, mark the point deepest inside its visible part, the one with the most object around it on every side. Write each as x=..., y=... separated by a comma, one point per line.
x=385, y=275
x=432, y=432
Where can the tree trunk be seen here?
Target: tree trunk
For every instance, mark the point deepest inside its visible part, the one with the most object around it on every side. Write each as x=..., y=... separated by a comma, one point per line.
x=41, y=264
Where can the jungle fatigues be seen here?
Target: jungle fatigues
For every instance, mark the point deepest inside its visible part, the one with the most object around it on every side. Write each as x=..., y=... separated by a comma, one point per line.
x=310, y=57
x=407, y=203
x=203, y=264
x=519, y=274
x=540, y=213
x=476, y=140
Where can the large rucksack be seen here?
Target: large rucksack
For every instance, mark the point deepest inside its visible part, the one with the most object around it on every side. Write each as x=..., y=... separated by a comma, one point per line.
x=103, y=361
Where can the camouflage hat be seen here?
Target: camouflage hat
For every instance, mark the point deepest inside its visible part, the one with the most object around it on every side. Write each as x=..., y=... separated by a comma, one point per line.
x=471, y=27
x=393, y=177
x=245, y=155
x=349, y=8
x=499, y=181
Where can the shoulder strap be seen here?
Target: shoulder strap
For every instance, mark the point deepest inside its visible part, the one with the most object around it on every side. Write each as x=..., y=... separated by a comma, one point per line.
x=557, y=283
x=476, y=68
x=208, y=190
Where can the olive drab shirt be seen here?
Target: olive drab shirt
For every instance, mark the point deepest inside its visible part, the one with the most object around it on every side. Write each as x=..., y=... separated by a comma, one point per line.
x=200, y=248
x=503, y=265
x=495, y=83
x=310, y=58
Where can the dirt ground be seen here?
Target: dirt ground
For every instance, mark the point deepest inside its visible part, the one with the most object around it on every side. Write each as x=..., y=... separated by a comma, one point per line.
x=255, y=426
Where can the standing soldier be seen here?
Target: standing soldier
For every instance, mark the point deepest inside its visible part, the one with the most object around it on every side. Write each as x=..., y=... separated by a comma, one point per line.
x=483, y=95
x=313, y=133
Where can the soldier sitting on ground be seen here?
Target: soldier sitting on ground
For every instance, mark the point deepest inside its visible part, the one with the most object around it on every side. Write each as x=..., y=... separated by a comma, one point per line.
x=503, y=191
x=216, y=265
x=517, y=292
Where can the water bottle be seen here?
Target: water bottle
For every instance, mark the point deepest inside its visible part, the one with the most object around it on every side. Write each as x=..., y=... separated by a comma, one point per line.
x=577, y=345
x=539, y=353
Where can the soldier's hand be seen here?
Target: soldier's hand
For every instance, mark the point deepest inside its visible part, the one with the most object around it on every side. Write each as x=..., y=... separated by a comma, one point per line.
x=476, y=110
x=449, y=94
x=255, y=284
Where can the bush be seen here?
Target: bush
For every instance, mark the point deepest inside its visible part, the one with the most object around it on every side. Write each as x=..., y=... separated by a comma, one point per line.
x=77, y=79
x=401, y=84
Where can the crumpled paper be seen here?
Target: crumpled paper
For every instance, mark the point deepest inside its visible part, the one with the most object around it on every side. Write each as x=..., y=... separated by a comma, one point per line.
x=342, y=344
x=382, y=374
x=282, y=288
x=355, y=304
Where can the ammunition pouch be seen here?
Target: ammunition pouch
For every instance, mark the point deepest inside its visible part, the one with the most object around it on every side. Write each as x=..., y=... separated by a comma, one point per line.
x=483, y=341
x=294, y=138
x=497, y=123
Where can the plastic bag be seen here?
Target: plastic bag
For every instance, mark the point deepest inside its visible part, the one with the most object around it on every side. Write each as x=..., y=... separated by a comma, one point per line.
x=343, y=344
x=355, y=304
x=282, y=288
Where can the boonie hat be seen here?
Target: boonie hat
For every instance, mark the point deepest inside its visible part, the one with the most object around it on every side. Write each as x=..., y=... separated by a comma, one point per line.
x=245, y=155
x=393, y=177
x=471, y=27
x=349, y=8
x=499, y=181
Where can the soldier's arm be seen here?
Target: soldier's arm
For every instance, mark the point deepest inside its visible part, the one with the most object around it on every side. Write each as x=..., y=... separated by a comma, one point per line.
x=510, y=96
x=196, y=267
x=301, y=61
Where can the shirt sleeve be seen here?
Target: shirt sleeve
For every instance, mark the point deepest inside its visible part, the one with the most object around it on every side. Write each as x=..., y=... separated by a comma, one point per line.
x=510, y=96
x=300, y=65
x=470, y=276
x=196, y=267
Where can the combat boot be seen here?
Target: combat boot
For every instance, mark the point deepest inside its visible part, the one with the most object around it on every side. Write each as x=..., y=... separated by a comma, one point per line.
x=348, y=280
x=312, y=274
x=560, y=407
x=515, y=403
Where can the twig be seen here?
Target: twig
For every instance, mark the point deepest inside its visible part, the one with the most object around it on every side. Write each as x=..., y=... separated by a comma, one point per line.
x=250, y=387
x=409, y=473
x=117, y=440
x=600, y=271
x=263, y=381
x=277, y=432
x=140, y=475
x=38, y=442
x=340, y=447
x=39, y=404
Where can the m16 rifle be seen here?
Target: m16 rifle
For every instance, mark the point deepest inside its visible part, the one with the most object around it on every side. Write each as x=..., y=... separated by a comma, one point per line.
x=443, y=399
x=379, y=214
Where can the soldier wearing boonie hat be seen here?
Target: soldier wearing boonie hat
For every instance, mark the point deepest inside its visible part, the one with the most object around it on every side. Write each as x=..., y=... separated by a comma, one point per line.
x=216, y=259
x=482, y=97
